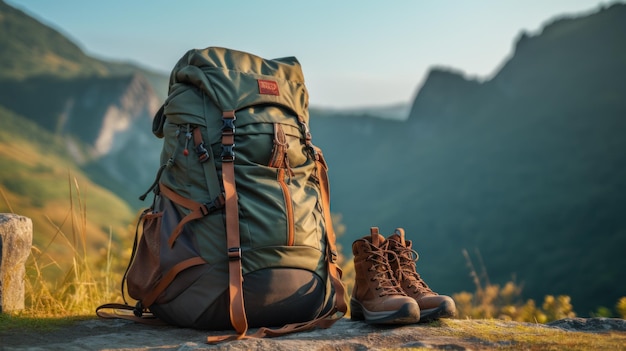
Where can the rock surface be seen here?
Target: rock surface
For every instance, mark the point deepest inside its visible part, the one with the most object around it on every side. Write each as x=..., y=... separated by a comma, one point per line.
x=98, y=334
x=16, y=238
x=590, y=324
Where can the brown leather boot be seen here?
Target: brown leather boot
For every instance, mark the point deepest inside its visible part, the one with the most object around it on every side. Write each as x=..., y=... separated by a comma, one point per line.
x=376, y=297
x=432, y=305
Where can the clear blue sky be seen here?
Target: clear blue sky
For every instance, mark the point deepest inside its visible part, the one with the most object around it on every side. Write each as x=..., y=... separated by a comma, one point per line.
x=354, y=53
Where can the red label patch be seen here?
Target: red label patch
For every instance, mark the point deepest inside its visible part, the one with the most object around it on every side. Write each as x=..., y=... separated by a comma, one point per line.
x=268, y=87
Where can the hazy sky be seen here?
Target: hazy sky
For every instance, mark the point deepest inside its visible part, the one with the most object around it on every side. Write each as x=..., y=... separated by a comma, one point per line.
x=353, y=53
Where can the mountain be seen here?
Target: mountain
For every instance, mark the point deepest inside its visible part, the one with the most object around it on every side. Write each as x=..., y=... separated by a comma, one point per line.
x=29, y=48
x=527, y=169
x=111, y=116
x=37, y=49
x=399, y=111
x=108, y=106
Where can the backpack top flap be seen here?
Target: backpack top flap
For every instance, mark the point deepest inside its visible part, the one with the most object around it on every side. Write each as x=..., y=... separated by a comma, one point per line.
x=234, y=79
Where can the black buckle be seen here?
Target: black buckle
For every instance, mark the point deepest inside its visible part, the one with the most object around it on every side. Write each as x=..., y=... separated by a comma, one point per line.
x=228, y=126
x=228, y=129
x=203, y=154
x=215, y=205
x=307, y=138
x=138, y=310
x=234, y=254
x=228, y=155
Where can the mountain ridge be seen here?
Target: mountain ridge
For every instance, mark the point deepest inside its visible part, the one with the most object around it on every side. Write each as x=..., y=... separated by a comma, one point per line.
x=527, y=172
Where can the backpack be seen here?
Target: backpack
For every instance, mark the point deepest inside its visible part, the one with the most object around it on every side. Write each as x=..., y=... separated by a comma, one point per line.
x=239, y=233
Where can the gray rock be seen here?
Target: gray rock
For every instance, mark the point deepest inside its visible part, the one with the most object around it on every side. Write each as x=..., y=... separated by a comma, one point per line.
x=590, y=324
x=345, y=335
x=16, y=238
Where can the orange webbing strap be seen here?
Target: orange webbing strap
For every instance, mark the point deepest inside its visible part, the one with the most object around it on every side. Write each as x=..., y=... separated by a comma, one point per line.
x=329, y=318
x=331, y=239
x=321, y=321
x=198, y=210
x=167, y=279
x=235, y=278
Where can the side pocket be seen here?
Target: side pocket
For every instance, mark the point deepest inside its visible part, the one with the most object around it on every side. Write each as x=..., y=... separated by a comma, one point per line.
x=155, y=265
x=145, y=268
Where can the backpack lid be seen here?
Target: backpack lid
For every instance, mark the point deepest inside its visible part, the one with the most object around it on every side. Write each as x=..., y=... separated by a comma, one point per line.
x=235, y=79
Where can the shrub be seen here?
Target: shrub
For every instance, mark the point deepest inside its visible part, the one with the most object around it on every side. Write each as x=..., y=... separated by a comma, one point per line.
x=621, y=307
x=492, y=301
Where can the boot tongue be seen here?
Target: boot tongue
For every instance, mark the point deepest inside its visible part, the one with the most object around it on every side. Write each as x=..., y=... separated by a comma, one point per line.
x=399, y=236
x=377, y=239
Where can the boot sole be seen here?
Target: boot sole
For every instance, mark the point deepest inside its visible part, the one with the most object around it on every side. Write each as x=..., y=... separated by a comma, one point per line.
x=409, y=313
x=443, y=311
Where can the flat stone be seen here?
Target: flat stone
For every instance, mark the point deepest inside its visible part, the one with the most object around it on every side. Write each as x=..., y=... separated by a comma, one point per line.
x=590, y=324
x=99, y=334
x=345, y=335
x=16, y=239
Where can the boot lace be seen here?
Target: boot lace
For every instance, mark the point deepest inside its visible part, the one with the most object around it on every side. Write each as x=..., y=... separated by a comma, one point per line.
x=387, y=284
x=406, y=262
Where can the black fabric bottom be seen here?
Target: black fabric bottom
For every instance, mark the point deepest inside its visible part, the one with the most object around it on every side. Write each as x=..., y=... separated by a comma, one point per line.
x=272, y=298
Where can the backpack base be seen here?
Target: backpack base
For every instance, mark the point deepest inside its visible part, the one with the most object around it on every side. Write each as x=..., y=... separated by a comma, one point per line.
x=273, y=297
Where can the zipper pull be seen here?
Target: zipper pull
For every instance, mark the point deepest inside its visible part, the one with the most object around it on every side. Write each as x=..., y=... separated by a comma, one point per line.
x=187, y=138
x=288, y=167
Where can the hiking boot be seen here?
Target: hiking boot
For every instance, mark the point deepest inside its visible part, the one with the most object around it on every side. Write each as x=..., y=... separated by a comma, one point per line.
x=432, y=305
x=376, y=297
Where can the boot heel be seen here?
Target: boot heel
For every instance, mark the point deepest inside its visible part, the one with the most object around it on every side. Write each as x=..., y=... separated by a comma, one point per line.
x=356, y=311
x=432, y=305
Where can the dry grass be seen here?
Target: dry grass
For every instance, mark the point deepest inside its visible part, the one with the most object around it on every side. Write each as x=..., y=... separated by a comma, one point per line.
x=73, y=284
x=501, y=335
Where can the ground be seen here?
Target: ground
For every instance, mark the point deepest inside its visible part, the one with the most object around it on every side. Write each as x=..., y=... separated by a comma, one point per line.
x=449, y=334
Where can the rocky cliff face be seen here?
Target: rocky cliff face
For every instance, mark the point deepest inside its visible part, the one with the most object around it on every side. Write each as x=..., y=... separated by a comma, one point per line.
x=125, y=149
x=102, y=109
x=128, y=108
x=106, y=122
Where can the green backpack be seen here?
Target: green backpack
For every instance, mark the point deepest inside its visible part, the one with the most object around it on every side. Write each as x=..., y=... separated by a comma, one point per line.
x=239, y=233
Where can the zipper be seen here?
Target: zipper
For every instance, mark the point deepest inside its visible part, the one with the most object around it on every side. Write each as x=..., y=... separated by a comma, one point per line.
x=288, y=205
x=280, y=160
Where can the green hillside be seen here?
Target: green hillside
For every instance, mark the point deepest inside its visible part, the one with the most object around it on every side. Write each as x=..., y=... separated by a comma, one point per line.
x=39, y=180
x=28, y=49
x=32, y=49
x=39, y=177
